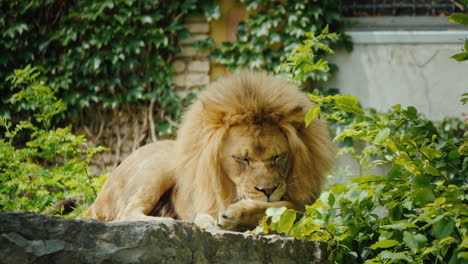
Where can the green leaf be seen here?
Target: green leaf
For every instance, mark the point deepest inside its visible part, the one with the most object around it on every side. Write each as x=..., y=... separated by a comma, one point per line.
x=463, y=255
x=325, y=30
x=397, y=107
x=459, y=18
x=464, y=243
x=423, y=196
x=432, y=170
x=212, y=11
x=356, y=195
x=331, y=200
x=146, y=20
x=319, y=99
x=406, y=161
x=381, y=136
x=414, y=242
x=275, y=213
x=314, y=112
x=162, y=126
x=430, y=153
x=443, y=228
x=388, y=243
x=286, y=221
x=460, y=56
x=399, y=225
x=308, y=227
x=394, y=256
x=411, y=113
x=453, y=155
x=348, y=103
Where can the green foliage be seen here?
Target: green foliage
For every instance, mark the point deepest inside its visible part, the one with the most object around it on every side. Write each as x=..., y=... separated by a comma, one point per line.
x=462, y=56
x=415, y=213
x=104, y=52
x=49, y=164
x=303, y=62
x=461, y=18
x=464, y=99
x=274, y=28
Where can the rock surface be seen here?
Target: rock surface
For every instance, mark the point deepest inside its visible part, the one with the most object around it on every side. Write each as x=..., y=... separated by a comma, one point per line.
x=27, y=237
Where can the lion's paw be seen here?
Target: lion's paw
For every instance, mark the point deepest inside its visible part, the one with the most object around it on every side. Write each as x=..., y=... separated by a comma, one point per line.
x=205, y=221
x=239, y=216
x=231, y=216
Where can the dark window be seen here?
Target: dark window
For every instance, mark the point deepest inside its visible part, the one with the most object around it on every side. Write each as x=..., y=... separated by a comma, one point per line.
x=354, y=8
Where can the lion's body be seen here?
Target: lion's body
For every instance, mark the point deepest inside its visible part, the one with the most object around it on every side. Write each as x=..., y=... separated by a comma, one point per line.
x=242, y=147
x=135, y=178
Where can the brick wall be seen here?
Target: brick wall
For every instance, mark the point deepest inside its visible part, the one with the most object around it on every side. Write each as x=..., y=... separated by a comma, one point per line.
x=192, y=66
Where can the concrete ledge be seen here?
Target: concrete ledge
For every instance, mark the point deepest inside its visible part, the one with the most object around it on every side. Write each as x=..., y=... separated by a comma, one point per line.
x=408, y=37
x=32, y=238
x=405, y=30
x=422, y=23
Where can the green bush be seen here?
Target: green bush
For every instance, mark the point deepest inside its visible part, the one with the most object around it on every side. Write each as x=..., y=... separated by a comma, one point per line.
x=40, y=164
x=416, y=213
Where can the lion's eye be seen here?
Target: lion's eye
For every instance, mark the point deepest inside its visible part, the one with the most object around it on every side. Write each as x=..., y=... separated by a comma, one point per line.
x=243, y=160
x=278, y=158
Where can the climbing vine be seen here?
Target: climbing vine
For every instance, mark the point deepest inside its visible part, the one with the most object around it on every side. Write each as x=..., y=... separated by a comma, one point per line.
x=274, y=28
x=103, y=52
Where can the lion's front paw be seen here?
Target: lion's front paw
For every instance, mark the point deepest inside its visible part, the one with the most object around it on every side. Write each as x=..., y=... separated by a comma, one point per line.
x=205, y=221
x=231, y=217
x=240, y=216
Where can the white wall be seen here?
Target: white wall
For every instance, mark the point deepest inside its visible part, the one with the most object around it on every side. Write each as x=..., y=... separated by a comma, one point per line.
x=405, y=60
x=420, y=75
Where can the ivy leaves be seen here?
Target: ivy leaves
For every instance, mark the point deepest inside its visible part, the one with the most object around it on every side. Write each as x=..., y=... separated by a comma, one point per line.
x=273, y=30
x=105, y=52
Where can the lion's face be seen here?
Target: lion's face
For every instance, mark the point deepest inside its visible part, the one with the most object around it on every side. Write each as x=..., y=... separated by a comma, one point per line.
x=257, y=160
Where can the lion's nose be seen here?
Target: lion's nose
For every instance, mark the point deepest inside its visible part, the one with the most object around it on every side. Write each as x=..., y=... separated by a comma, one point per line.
x=266, y=191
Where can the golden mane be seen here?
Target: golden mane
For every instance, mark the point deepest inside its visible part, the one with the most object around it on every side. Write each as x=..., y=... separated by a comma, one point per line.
x=250, y=98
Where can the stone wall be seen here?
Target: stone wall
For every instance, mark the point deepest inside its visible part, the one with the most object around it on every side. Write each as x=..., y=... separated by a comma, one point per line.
x=32, y=238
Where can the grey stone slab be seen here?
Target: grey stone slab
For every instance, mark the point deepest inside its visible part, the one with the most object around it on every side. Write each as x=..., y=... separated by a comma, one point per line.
x=27, y=237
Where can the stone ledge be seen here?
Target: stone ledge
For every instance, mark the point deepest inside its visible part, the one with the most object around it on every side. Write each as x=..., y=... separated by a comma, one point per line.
x=27, y=237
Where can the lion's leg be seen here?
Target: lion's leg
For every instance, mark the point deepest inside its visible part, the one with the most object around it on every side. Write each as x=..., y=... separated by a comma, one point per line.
x=136, y=185
x=248, y=213
x=140, y=204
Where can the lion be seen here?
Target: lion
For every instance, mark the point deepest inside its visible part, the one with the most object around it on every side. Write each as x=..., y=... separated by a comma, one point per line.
x=242, y=147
